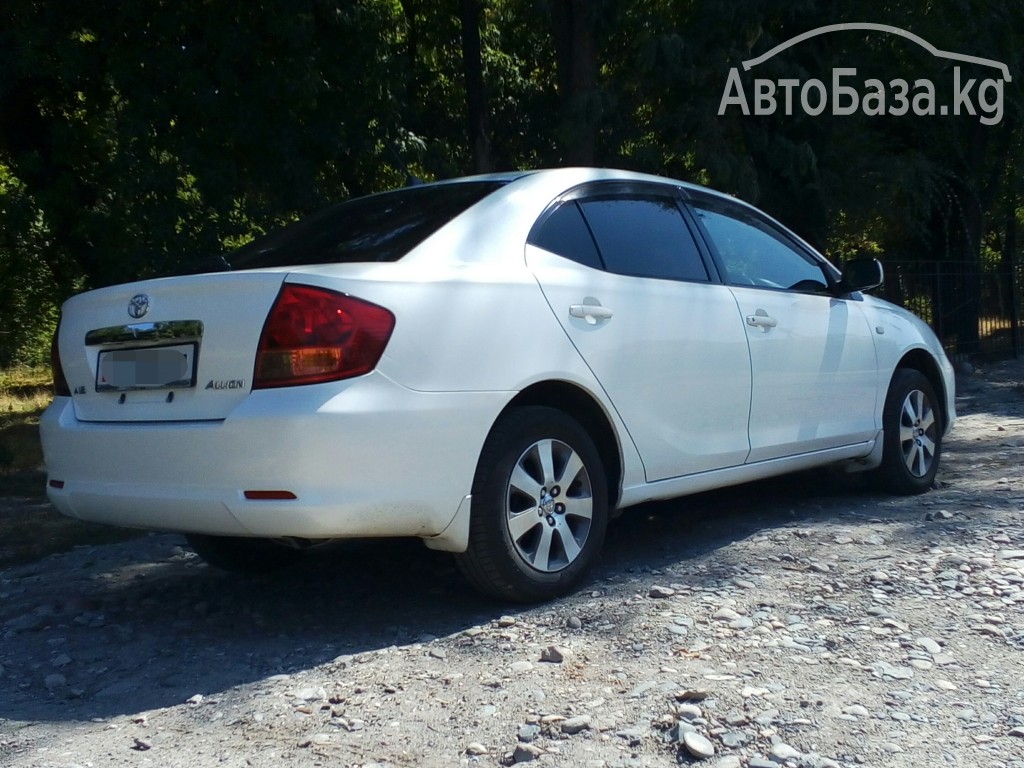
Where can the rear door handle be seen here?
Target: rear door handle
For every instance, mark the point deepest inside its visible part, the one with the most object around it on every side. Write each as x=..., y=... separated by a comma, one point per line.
x=761, y=319
x=590, y=312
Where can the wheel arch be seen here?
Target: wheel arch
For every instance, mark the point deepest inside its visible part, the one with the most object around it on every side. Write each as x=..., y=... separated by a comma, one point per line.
x=576, y=402
x=921, y=360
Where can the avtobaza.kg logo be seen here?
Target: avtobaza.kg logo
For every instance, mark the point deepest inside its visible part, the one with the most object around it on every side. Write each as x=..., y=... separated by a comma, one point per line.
x=844, y=94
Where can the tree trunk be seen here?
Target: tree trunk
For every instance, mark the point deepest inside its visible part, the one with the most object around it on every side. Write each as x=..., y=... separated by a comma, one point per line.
x=477, y=131
x=576, y=58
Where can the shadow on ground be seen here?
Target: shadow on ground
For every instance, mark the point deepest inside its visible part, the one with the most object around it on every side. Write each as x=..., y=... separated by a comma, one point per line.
x=142, y=624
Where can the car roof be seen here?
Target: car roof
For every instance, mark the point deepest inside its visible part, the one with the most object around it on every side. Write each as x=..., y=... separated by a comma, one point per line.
x=575, y=175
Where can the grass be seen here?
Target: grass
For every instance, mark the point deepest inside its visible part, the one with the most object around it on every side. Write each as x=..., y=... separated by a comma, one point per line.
x=24, y=394
x=29, y=527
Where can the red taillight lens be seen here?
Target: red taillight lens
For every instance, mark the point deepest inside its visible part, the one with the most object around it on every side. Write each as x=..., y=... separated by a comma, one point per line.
x=60, y=383
x=314, y=335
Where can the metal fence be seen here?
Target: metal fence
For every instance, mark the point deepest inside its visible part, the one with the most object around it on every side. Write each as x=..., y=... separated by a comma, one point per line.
x=974, y=307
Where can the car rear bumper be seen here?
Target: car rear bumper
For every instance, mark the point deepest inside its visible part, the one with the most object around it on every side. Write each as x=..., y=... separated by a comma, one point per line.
x=365, y=457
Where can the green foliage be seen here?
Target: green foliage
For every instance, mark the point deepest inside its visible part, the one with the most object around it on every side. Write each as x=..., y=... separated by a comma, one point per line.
x=136, y=138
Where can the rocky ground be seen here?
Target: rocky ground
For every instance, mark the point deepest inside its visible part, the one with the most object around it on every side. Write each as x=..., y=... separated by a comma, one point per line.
x=802, y=622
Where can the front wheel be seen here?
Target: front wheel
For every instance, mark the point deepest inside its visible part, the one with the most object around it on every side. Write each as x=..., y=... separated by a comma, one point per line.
x=540, y=507
x=913, y=434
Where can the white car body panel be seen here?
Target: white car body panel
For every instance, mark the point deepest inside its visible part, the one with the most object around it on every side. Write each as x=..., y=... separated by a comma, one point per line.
x=685, y=406
x=335, y=446
x=816, y=373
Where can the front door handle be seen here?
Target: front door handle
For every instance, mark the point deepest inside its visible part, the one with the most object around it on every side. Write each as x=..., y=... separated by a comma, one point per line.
x=590, y=312
x=761, y=319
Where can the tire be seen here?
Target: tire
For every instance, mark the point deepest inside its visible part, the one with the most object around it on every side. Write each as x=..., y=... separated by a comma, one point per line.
x=243, y=555
x=912, y=442
x=540, y=508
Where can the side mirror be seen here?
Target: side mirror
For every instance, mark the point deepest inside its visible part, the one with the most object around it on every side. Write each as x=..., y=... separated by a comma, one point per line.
x=861, y=275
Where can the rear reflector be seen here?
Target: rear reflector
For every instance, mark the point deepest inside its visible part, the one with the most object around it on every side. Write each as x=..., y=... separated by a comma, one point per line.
x=270, y=495
x=313, y=335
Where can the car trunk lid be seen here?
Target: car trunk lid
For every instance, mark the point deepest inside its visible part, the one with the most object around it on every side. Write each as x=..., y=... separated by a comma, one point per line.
x=174, y=349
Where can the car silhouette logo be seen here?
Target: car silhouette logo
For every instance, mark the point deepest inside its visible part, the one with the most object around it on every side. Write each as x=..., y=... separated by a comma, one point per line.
x=138, y=306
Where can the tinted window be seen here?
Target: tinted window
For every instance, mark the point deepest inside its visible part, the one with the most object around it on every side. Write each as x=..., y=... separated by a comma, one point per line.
x=754, y=253
x=381, y=227
x=644, y=237
x=563, y=231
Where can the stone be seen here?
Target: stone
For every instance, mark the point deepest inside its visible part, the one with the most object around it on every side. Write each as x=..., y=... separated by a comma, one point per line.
x=25, y=623
x=574, y=622
x=725, y=614
x=733, y=739
x=729, y=761
x=658, y=591
x=679, y=730
x=574, y=725
x=304, y=694
x=520, y=667
x=476, y=748
x=689, y=712
x=691, y=694
x=782, y=752
x=697, y=745
x=526, y=753
x=55, y=681
x=528, y=733
x=555, y=654
x=856, y=710
x=507, y=621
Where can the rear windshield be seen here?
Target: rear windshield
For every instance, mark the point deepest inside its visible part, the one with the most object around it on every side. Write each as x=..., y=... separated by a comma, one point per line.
x=381, y=227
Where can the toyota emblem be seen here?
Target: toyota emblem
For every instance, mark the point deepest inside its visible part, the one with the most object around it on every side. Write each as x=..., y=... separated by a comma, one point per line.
x=138, y=306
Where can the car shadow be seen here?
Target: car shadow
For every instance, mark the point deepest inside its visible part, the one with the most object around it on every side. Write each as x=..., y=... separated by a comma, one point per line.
x=143, y=624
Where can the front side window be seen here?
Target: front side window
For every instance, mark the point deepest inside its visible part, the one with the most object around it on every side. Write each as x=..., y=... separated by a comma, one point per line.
x=753, y=253
x=644, y=236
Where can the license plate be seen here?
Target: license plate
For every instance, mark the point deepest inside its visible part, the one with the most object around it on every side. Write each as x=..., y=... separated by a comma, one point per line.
x=147, y=368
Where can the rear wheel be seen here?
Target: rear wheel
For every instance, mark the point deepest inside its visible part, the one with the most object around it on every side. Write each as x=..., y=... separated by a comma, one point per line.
x=243, y=555
x=913, y=434
x=540, y=507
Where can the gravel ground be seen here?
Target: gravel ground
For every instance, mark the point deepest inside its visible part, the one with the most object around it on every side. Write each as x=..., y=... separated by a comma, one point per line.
x=806, y=621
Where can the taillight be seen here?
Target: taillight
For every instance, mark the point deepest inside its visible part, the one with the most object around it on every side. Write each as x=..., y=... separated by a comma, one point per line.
x=60, y=383
x=313, y=335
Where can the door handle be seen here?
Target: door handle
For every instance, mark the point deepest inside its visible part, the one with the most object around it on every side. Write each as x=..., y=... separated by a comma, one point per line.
x=590, y=312
x=761, y=319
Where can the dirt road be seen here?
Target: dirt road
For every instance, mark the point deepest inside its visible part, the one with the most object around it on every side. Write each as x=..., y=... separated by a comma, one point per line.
x=802, y=622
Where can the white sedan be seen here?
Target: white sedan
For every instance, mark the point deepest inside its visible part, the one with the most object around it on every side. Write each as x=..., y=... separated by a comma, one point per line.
x=493, y=364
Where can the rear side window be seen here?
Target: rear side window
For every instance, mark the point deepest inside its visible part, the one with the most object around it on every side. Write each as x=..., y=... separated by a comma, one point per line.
x=564, y=232
x=381, y=227
x=644, y=236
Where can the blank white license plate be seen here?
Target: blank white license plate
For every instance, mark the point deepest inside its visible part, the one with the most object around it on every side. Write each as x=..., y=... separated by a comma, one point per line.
x=146, y=368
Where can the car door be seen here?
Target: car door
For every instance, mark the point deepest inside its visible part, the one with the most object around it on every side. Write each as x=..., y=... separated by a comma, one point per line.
x=812, y=352
x=623, y=274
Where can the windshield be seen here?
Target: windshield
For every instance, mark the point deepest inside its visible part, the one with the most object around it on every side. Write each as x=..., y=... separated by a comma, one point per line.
x=381, y=227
